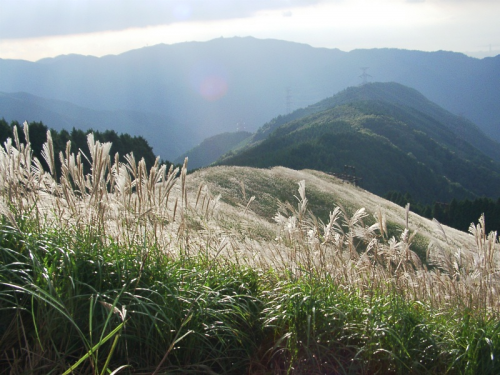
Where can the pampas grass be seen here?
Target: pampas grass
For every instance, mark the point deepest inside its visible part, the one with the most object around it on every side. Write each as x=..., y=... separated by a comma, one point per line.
x=146, y=273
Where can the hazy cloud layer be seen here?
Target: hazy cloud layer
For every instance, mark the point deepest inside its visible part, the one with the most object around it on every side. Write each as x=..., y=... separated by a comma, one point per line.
x=34, y=29
x=33, y=18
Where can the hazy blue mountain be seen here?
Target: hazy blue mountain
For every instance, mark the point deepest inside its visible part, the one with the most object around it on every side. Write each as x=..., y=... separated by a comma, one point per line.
x=167, y=140
x=207, y=88
x=213, y=148
x=377, y=129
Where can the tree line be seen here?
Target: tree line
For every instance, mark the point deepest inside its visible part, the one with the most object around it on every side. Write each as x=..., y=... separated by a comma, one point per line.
x=458, y=214
x=122, y=144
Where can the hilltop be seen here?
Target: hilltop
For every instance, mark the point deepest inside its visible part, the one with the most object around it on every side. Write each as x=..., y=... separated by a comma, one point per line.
x=236, y=185
x=393, y=137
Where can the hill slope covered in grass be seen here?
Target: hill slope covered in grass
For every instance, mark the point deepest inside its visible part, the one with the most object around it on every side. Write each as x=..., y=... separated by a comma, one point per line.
x=232, y=270
x=395, y=139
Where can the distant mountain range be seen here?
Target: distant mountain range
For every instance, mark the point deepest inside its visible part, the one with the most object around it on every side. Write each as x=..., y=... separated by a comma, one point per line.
x=57, y=114
x=390, y=135
x=181, y=94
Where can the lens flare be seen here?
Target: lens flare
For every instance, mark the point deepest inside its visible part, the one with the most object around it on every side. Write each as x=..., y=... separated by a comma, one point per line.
x=213, y=88
x=209, y=79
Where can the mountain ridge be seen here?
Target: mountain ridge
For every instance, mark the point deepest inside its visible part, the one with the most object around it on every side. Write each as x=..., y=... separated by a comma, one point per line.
x=391, y=146
x=206, y=88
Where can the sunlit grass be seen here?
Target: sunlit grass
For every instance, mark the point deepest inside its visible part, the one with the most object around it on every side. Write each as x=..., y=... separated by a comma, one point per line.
x=129, y=270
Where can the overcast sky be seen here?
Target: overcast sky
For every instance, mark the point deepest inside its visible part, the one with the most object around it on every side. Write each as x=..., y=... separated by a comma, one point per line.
x=34, y=29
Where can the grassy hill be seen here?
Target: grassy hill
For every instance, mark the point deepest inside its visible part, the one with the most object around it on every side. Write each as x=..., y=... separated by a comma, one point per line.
x=236, y=185
x=232, y=270
x=395, y=138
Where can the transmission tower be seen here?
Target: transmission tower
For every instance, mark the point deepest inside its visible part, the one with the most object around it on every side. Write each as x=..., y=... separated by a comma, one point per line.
x=364, y=76
x=288, y=100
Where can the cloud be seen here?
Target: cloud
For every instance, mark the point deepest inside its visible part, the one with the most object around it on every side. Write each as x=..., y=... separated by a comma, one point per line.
x=32, y=18
x=452, y=1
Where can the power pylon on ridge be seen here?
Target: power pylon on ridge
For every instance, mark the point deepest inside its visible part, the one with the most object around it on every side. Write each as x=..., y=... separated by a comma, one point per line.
x=364, y=76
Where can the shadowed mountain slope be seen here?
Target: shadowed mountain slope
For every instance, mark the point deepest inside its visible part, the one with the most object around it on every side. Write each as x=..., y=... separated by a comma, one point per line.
x=167, y=140
x=212, y=149
x=393, y=146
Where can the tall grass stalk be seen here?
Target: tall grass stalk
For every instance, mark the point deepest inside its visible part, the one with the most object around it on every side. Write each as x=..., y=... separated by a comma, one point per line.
x=202, y=295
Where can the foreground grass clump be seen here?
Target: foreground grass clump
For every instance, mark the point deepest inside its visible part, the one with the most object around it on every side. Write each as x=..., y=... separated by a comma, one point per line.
x=320, y=328
x=132, y=271
x=59, y=303
x=209, y=316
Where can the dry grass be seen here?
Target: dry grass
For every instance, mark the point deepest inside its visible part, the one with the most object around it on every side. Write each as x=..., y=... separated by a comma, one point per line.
x=231, y=270
x=184, y=216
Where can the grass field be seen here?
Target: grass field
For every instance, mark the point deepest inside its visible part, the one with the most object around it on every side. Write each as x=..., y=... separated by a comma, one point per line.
x=232, y=271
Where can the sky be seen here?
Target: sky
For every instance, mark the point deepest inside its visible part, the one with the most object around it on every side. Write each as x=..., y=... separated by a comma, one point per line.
x=36, y=29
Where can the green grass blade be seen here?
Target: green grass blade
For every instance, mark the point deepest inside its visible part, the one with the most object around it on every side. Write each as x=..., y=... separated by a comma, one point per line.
x=94, y=348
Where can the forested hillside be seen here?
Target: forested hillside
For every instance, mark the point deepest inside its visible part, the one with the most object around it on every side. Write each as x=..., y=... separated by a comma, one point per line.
x=404, y=104
x=122, y=144
x=393, y=145
x=458, y=214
